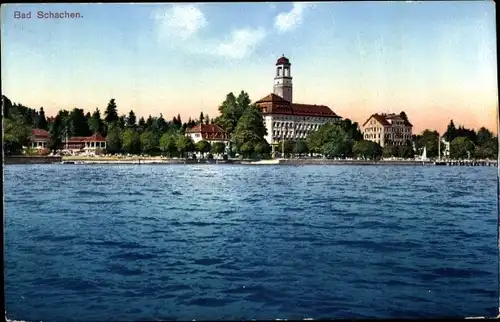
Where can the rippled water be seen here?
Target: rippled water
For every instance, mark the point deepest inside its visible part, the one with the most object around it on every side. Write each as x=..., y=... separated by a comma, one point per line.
x=186, y=242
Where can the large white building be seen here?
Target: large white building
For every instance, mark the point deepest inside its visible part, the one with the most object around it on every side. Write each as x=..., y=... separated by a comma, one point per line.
x=286, y=120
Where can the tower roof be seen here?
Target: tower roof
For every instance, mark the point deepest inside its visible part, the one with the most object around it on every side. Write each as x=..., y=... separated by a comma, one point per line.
x=283, y=61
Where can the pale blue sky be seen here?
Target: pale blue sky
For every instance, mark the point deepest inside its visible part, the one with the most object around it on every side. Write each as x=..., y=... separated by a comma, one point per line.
x=356, y=57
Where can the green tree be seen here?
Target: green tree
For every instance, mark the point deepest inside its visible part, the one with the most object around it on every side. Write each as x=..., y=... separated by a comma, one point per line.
x=218, y=148
x=286, y=145
x=167, y=144
x=451, y=132
x=461, y=148
x=331, y=140
x=390, y=151
x=430, y=140
x=231, y=110
x=246, y=149
x=300, y=147
x=95, y=123
x=6, y=106
x=184, y=144
x=484, y=136
x=111, y=113
x=142, y=124
x=55, y=133
x=201, y=120
x=149, y=141
x=250, y=127
x=262, y=148
x=352, y=129
x=131, y=141
x=16, y=135
x=203, y=147
x=406, y=151
x=367, y=150
x=131, y=120
x=42, y=120
x=78, y=124
x=114, y=139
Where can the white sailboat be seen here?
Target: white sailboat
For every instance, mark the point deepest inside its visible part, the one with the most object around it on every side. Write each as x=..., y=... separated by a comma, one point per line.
x=424, y=154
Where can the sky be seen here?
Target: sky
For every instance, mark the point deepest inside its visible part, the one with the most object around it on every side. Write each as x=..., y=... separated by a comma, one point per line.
x=434, y=60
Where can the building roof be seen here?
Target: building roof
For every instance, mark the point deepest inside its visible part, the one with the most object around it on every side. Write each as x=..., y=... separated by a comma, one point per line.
x=82, y=139
x=385, y=119
x=209, y=132
x=40, y=133
x=283, y=61
x=274, y=104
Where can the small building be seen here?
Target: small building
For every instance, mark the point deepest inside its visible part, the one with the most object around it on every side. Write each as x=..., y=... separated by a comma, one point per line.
x=387, y=129
x=39, y=139
x=84, y=143
x=208, y=132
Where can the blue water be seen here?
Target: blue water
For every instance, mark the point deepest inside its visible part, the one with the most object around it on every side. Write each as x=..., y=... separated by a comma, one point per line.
x=150, y=242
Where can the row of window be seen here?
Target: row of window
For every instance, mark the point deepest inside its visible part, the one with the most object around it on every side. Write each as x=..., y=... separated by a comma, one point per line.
x=297, y=126
x=389, y=129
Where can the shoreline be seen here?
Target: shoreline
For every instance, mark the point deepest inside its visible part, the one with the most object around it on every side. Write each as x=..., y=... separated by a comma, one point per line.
x=289, y=162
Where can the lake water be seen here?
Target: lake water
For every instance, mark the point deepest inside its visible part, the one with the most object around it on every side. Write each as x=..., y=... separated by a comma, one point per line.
x=147, y=242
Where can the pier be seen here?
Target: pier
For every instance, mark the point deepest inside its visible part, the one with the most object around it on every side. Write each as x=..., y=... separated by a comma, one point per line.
x=467, y=163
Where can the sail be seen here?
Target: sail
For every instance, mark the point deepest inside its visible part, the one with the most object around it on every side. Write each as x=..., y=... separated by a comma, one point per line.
x=424, y=154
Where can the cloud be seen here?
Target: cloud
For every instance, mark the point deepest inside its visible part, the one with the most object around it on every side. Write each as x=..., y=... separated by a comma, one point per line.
x=241, y=43
x=287, y=21
x=180, y=20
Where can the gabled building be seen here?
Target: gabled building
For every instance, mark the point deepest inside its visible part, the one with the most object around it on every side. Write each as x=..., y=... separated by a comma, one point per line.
x=387, y=129
x=286, y=120
x=208, y=132
x=39, y=139
x=84, y=143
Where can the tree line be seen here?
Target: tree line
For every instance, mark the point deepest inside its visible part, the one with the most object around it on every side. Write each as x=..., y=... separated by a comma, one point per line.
x=244, y=123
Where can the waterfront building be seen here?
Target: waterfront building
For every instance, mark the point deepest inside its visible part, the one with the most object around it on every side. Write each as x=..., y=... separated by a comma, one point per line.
x=285, y=119
x=87, y=144
x=211, y=133
x=39, y=139
x=387, y=129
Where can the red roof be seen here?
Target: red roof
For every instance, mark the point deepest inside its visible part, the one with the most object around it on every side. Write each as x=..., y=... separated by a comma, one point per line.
x=384, y=119
x=82, y=139
x=39, y=133
x=274, y=104
x=283, y=61
x=209, y=132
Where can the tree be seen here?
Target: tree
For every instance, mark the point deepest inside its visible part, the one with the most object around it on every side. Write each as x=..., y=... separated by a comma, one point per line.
x=162, y=125
x=451, y=132
x=262, y=148
x=406, y=151
x=286, y=145
x=390, y=151
x=367, y=150
x=461, y=148
x=6, y=106
x=246, y=149
x=149, y=141
x=218, y=148
x=111, y=113
x=16, y=135
x=122, y=120
x=200, y=121
x=114, y=139
x=250, y=127
x=352, y=129
x=300, y=147
x=142, y=124
x=55, y=132
x=231, y=110
x=203, y=147
x=131, y=142
x=484, y=136
x=184, y=144
x=131, y=120
x=207, y=119
x=78, y=124
x=42, y=121
x=430, y=140
x=331, y=140
x=167, y=144
x=95, y=123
